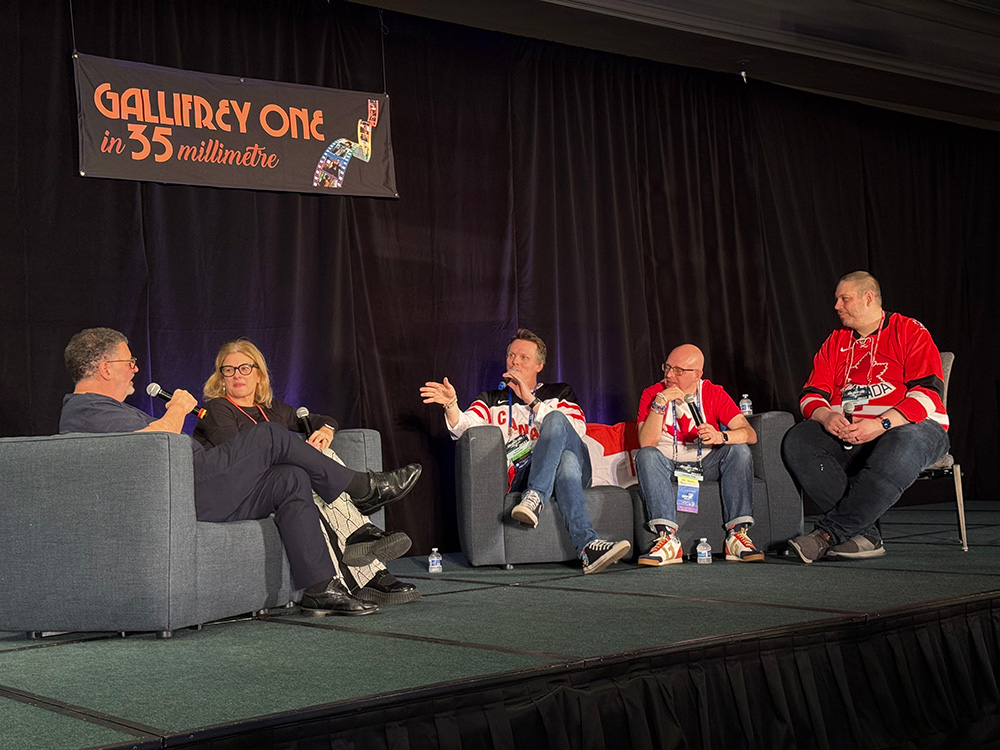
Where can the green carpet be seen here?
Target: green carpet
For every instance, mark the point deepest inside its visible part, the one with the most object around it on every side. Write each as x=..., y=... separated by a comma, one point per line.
x=95, y=690
x=25, y=727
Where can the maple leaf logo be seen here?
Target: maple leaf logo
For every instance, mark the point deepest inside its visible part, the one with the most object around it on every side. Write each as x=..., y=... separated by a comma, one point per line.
x=859, y=371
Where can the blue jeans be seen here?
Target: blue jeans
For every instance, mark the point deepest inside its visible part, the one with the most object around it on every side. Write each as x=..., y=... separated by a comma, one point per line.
x=730, y=465
x=560, y=462
x=883, y=468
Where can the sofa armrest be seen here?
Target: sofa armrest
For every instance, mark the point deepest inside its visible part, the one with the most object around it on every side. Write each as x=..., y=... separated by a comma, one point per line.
x=770, y=427
x=96, y=523
x=481, y=486
x=784, y=504
x=359, y=449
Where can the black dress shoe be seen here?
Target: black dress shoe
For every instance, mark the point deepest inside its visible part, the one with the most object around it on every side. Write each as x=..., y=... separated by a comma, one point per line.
x=334, y=600
x=385, y=588
x=387, y=487
x=370, y=543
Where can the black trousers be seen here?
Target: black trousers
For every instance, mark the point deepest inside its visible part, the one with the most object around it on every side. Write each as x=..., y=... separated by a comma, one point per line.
x=265, y=470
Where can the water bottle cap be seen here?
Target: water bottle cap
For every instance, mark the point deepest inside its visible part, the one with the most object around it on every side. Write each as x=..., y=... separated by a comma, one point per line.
x=745, y=396
x=434, y=549
x=704, y=539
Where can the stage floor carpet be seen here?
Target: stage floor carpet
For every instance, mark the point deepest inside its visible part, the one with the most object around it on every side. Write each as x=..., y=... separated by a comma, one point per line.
x=469, y=659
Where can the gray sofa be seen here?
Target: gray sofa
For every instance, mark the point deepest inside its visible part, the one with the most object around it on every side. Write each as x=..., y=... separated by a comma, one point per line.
x=489, y=536
x=98, y=533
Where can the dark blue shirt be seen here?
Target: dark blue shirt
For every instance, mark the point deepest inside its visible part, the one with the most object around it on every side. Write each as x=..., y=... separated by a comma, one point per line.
x=92, y=412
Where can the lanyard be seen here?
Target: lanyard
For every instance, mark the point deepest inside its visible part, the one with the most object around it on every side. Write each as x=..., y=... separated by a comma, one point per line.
x=677, y=429
x=510, y=412
x=262, y=412
x=871, y=359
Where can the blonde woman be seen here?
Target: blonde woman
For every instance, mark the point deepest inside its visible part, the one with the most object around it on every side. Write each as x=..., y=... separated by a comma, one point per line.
x=238, y=396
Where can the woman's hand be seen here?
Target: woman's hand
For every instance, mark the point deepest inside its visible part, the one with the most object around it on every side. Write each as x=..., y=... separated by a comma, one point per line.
x=321, y=438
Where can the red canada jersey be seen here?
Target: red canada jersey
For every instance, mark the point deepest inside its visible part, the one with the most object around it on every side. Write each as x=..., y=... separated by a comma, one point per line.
x=897, y=366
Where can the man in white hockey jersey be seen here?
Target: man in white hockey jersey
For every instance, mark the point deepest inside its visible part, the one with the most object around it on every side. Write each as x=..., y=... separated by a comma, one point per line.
x=543, y=426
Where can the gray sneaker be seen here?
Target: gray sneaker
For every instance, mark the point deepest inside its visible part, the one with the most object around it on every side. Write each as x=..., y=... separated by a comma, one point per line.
x=857, y=547
x=528, y=509
x=812, y=546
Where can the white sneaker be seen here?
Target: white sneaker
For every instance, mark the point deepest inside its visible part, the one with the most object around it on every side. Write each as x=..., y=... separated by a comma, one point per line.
x=528, y=509
x=666, y=550
x=740, y=548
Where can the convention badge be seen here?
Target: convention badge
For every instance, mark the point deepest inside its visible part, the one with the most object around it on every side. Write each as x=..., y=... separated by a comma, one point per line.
x=687, y=494
x=691, y=471
x=860, y=394
x=518, y=448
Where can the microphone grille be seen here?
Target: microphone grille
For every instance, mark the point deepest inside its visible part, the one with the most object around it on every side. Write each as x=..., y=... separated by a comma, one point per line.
x=302, y=412
x=849, y=407
x=153, y=389
x=689, y=399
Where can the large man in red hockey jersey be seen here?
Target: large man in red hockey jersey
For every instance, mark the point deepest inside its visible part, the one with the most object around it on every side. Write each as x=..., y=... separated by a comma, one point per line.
x=873, y=411
x=543, y=426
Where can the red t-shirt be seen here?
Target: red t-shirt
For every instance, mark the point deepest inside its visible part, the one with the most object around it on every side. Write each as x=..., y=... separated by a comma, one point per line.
x=718, y=410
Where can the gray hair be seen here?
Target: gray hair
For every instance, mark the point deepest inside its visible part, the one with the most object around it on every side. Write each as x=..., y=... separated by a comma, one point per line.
x=87, y=349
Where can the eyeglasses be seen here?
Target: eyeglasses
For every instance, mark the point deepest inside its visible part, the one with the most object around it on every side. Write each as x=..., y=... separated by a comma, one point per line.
x=678, y=370
x=131, y=361
x=245, y=369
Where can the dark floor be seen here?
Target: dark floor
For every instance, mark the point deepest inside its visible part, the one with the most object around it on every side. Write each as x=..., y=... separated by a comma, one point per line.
x=90, y=690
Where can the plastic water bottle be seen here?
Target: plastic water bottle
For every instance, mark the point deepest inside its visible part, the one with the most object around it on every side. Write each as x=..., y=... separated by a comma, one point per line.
x=746, y=405
x=434, y=561
x=704, y=552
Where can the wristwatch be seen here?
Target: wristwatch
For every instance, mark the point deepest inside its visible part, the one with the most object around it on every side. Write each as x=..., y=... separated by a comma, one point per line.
x=725, y=437
x=886, y=424
x=533, y=404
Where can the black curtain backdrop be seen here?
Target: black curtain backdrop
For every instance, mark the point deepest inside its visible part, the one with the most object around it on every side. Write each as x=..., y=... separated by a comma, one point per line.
x=616, y=206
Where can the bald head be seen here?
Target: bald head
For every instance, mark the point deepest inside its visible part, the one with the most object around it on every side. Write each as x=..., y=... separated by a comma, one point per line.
x=684, y=368
x=687, y=356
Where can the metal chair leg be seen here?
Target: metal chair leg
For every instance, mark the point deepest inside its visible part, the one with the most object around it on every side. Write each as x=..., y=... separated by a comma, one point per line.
x=960, y=501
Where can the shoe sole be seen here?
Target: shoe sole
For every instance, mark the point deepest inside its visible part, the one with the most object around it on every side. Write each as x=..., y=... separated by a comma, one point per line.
x=863, y=555
x=380, y=597
x=610, y=557
x=755, y=557
x=524, y=516
x=311, y=612
x=387, y=548
x=659, y=563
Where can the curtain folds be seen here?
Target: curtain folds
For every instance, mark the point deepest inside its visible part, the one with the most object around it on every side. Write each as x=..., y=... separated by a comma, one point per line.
x=617, y=207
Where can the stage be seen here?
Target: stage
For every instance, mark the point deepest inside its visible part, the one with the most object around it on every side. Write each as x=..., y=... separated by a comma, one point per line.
x=899, y=651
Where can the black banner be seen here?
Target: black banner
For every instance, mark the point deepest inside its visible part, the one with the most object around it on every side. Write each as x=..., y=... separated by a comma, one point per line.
x=145, y=122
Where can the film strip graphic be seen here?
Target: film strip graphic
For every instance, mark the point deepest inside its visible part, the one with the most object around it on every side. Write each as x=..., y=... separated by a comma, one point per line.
x=332, y=165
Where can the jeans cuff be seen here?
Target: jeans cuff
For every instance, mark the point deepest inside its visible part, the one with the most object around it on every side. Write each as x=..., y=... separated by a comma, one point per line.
x=654, y=522
x=730, y=525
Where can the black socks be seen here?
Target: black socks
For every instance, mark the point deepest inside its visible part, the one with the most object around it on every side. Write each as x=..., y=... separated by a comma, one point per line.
x=360, y=487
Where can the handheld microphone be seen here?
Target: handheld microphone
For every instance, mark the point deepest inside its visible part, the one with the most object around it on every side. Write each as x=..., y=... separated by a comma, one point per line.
x=849, y=416
x=154, y=390
x=504, y=382
x=692, y=404
x=303, y=414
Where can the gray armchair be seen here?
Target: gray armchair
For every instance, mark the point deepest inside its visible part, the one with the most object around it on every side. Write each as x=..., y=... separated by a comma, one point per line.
x=98, y=533
x=489, y=536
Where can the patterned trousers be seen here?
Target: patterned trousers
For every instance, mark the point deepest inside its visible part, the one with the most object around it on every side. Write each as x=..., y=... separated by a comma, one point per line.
x=339, y=520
